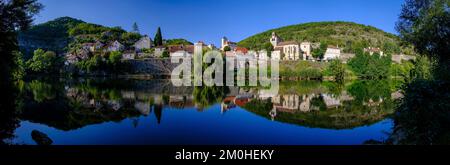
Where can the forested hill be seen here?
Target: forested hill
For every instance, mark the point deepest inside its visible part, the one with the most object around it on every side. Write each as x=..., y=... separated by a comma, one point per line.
x=52, y=35
x=67, y=34
x=350, y=36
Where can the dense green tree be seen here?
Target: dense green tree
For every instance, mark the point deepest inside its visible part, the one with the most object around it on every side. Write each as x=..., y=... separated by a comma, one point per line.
x=87, y=28
x=402, y=71
x=320, y=52
x=226, y=49
x=14, y=15
x=166, y=54
x=390, y=48
x=42, y=61
x=92, y=64
x=422, y=68
x=371, y=66
x=112, y=34
x=130, y=38
x=19, y=71
x=268, y=47
x=158, y=37
x=426, y=24
x=337, y=69
x=423, y=117
x=114, y=58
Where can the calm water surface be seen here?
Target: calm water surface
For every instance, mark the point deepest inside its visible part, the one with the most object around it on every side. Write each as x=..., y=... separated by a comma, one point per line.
x=123, y=111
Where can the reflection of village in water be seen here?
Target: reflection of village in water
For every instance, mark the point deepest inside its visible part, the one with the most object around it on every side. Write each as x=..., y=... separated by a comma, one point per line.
x=296, y=103
x=146, y=98
x=74, y=104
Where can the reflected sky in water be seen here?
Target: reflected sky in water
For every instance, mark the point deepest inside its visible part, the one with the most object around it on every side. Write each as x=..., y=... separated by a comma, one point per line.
x=147, y=112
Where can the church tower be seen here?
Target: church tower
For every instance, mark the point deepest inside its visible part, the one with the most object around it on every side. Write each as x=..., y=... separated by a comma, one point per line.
x=224, y=42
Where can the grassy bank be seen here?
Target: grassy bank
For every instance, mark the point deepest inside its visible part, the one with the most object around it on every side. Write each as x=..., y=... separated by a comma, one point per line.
x=308, y=70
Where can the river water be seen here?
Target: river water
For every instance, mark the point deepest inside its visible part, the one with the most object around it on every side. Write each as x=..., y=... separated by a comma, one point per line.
x=105, y=111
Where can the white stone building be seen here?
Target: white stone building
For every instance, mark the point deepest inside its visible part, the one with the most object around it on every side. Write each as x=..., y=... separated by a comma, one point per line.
x=306, y=49
x=291, y=50
x=226, y=42
x=275, y=55
x=274, y=40
x=332, y=53
x=181, y=53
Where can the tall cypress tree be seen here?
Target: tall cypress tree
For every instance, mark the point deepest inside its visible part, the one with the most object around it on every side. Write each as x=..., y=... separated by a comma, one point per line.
x=135, y=28
x=158, y=38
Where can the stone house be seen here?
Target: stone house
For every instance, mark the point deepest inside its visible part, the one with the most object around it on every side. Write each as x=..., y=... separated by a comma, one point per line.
x=143, y=43
x=306, y=49
x=115, y=46
x=332, y=52
x=291, y=50
x=177, y=50
x=98, y=45
x=88, y=46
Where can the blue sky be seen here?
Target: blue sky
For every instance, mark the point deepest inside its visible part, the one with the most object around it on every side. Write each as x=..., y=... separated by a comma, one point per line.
x=209, y=20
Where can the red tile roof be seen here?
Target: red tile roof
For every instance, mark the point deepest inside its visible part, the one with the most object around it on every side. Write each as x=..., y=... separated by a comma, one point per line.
x=241, y=101
x=241, y=49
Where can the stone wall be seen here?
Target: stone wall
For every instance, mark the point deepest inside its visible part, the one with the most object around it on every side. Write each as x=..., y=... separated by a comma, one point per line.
x=400, y=58
x=152, y=66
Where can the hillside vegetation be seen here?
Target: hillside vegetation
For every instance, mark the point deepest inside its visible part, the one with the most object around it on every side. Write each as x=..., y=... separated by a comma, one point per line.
x=52, y=35
x=350, y=36
x=67, y=34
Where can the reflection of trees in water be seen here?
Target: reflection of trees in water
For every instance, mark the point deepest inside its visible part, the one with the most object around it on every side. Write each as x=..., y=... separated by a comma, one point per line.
x=423, y=116
x=74, y=104
x=319, y=102
x=158, y=112
x=9, y=120
x=205, y=96
x=370, y=91
x=41, y=90
x=73, y=107
x=334, y=88
x=301, y=87
x=330, y=108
